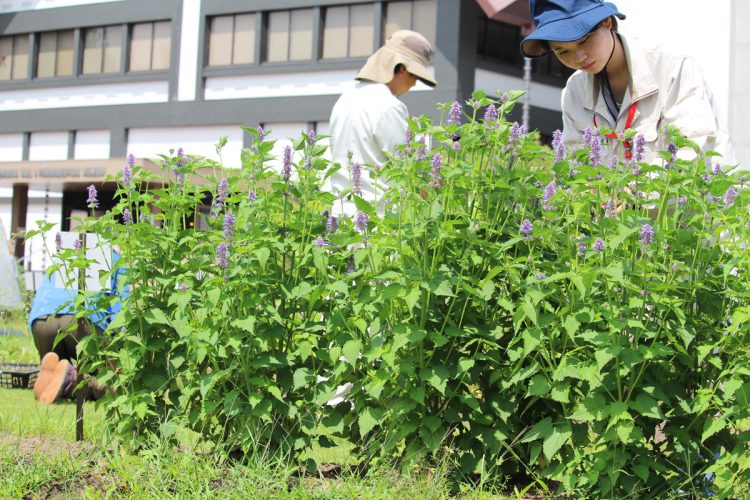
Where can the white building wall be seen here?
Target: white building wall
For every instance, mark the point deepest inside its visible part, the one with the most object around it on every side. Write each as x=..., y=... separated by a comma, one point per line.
x=11, y=147
x=151, y=142
x=91, y=145
x=48, y=146
x=189, y=50
x=39, y=248
x=20, y=5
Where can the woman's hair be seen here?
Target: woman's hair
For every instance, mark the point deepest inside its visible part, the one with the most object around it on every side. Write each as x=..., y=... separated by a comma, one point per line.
x=398, y=68
x=545, y=43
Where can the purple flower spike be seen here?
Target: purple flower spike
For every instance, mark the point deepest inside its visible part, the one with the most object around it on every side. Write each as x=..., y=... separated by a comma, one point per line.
x=58, y=241
x=126, y=176
x=421, y=153
x=587, y=135
x=320, y=242
x=357, y=179
x=77, y=245
x=596, y=151
x=681, y=201
x=490, y=114
x=599, y=245
x=526, y=227
x=582, y=249
x=504, y=98
x=454, y=117
x=286, y=168
x=127, y=218
x=332, y=224
x=558, y=146
x=311, y=135
x=361, y=220
x=222, y=255
x=516, y=131
x=541, y=276
x=549, y=192
x=92, y=201
x=222, y=191
x=716, y=169
x=228, y=225
x=131, y=160
x=729, y=196
x=435, y=175
x=647, y=234
x=639, y=148
x=251, y=196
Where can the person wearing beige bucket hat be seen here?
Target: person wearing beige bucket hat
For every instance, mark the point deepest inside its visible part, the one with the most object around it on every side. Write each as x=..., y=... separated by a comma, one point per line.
x=370, y=119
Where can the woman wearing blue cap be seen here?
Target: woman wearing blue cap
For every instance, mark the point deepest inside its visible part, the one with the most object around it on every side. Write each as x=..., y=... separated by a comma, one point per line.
x=620, y=84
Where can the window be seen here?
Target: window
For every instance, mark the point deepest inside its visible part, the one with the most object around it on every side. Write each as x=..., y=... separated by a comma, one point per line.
x=232, y=40
x=498, y=41
x=417, y=15
x=14, y=57
x=102, y=50
x=150, y=46
x=348, y=31
x=289, y=35
x=55, y=57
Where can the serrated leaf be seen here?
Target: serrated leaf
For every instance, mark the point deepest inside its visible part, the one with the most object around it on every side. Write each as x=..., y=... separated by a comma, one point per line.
x=646, y=406
x=369, y=418
x=436, y=376
x=262, y=254
x=560, y=392
x=538, y=386
x=560, y=435
x=301, y=377
x=540, y=430
x=247, y=324
x=156, y=317
x=589, y=409
x=711, y=426
x=351, y=350
x=571, y=325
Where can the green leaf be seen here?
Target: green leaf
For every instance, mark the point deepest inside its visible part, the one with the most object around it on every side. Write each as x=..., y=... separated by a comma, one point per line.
x=530, y=310
x=301, y=377
x=351, y=350
x=412, y=298
x=262, y=254
x=247, y=324
x=591, y=408
x=369, y=418
x=538, y=386
x=156, y=317
x=561, y=392
x=646, y=406
x=440, y=287
x=541, y=430
x=711, y=426
x=571, y=325
x=465, y=364
x=560, y=435
x=436, y=376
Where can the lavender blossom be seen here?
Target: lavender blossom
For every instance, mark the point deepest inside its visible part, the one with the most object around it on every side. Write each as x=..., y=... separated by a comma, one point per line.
x=435, y=175
x=361, y=220
x=456, y=146
x=222, y=191
x=613, y=162
x=596, y=151
x=251, y=196
x=222, y=255
x=526, y=227
x=647, y=234
x=716, y=169
x=681, y=201
x=587, y=135
x=516, y=131
x=320, y=242
x=58, y=241
x=671, y=149
x=582, y=247
x=286, y=168
x=421, y=152
x=261, y=133
x=454, y=117
x=558, y=145
x=332, y=224
x=549, y=192
x=639, y=148
x=599, y=245
x=77, y=245
x=357, y=179
x=228, y=225
x=541, y=276
x=127, y=218
x=729, y=196
x=92, y=201
x=504, y=98
x=490, y=114
x=126, y=176
x=311, y=136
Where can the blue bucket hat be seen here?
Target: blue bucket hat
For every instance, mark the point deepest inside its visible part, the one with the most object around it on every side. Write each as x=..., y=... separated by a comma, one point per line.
x=564, y=21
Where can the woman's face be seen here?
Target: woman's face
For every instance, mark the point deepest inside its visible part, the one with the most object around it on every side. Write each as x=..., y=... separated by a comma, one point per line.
x=589, y=53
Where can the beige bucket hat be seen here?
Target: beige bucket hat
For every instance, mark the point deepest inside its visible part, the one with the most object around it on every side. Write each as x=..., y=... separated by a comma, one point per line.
x=403, y=47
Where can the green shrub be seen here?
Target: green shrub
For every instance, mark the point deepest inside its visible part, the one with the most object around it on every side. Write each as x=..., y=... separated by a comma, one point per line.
x=575, y=324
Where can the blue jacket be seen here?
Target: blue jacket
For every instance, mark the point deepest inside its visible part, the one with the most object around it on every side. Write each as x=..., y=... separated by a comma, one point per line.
x=51, y=300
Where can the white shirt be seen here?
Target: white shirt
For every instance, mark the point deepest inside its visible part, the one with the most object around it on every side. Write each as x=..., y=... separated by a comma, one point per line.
x=365, y=121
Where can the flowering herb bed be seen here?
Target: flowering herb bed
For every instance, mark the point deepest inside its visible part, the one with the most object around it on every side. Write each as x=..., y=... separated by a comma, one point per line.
x=528, y=313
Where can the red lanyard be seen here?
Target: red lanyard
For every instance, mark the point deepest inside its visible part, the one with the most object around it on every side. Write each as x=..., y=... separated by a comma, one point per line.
x=628, y=123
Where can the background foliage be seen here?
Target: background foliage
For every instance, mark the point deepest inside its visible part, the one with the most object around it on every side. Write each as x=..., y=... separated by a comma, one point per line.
x=577, y=325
